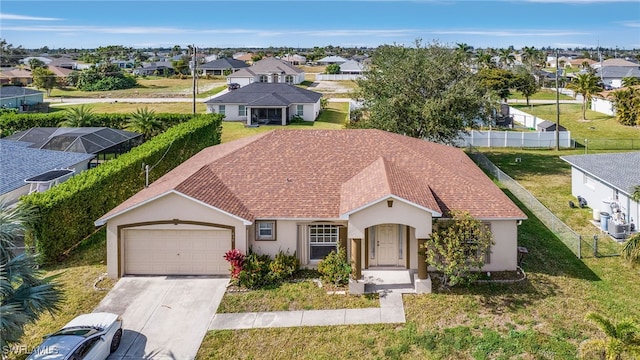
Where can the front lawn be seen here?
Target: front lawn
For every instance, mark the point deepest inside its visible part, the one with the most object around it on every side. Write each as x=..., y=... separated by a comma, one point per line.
x=543, y=94
x=130, y=107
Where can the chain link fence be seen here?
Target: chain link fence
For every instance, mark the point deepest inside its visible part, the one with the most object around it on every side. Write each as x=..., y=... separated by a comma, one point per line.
x=570, y=238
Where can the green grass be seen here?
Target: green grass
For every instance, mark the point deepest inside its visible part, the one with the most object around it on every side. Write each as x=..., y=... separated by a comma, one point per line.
x=129, y=107
x=302, y=295
x=149, y=87
x=543, y=94
x=77, y=275
x=597, y=126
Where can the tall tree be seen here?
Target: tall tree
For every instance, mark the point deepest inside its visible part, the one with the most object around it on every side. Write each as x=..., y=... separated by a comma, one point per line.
x=525, y=83
x=35, y=63
x=531, y=57
x=24, y=293
x=622, y=339
x=465, y=49
x=506, y=58
x=627, y=104
x=44, y=78
x=458, y=247
x=497, y=80
x=9, y=55
x=586, y=85
x=483, y=59
x=423, y=92
x=630, y=81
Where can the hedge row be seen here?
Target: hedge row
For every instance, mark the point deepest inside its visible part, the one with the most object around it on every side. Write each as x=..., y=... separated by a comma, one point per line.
x=11, y=122
x=68, y=211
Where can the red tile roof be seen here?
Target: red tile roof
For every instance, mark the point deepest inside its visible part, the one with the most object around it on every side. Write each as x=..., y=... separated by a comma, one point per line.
x=327, y=173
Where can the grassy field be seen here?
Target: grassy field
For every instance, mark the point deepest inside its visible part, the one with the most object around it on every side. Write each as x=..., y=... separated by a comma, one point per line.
x=129, y=107
x=596, y=128
x=543, y=94
x=149, y=87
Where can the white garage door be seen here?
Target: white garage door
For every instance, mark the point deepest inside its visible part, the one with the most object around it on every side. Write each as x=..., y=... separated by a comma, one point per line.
x=176, y=252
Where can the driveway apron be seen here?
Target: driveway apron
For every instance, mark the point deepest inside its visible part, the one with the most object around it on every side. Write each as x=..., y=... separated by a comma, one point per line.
x=164, y=317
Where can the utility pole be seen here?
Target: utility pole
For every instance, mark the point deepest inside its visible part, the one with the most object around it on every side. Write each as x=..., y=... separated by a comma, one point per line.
x=195, y=68
x=557, y=104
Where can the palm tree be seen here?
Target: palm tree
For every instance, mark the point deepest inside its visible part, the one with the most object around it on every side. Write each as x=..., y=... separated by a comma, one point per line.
x=483, y=59
x=631, y=250
x=465, y=49
x=78, y=117
x=145, y=122
x=586, y=85
x=506, y=58
x=24, y=293
x=531, y=56
x=630, y=81
x=621, y=339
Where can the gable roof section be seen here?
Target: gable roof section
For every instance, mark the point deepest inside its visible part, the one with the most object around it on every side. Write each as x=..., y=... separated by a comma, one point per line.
x=332, y=59
x=619, y=62
x=352, y=66
x=20, y=162
x=619, y=170
x=267, y=66
x=224, y=63
x=301, y=174
x=267, y=94
x=619, y=71
x=380, y=180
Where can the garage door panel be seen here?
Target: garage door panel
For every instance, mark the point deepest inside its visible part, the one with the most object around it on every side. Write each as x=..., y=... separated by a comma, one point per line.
x=176, y=252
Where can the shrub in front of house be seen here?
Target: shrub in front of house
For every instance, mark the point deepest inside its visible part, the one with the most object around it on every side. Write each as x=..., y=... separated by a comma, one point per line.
x=335, y=268
x=253, y=271
x=68, y=211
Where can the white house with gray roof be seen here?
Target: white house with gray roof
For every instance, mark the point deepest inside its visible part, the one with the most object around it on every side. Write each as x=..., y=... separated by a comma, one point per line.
x=26, y=169
x=267, y=70
x=265, y=103
x=606, y=182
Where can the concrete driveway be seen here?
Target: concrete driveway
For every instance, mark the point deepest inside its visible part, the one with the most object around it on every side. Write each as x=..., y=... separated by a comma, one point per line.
x=165, y=317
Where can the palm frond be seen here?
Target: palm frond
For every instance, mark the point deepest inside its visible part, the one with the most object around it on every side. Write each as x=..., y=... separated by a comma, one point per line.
x=603, y=323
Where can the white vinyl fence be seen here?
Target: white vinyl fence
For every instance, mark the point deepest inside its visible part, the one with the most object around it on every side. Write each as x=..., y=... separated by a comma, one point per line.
x=525, y=119
x=338, y=76
x=515, y=139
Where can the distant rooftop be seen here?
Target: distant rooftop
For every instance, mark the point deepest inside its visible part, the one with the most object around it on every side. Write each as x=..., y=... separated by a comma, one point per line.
x=89, y=140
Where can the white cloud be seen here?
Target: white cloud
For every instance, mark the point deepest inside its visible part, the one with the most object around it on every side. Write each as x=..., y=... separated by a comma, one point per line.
x=509, y=33
x=633, y=24
x=24, y=17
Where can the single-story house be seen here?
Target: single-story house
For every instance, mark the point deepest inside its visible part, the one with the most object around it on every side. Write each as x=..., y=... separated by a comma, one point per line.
x=351, y=67
x=26, y=169
x=546, y=125
x=18, y=97
x=219, y=66
x=16, y=76
x=264, y=103
x=375, y=193
x=606, y=182
x=101, y=142
x=294, y=59
x=613, y=75
x=160, y=68
x=332, y=60
x=267, y=70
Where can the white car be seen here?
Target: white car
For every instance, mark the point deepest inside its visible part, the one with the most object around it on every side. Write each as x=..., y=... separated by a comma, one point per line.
x=89, y=336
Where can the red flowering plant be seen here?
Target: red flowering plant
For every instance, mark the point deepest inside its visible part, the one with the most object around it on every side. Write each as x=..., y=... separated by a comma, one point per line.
x=236, y=259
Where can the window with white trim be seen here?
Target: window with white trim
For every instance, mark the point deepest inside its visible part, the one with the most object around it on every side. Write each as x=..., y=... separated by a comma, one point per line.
x=264, y=78
x=242, y=110
x=265, y=230
x=288, y=79
x=322, y=240
x=222, y=109
x=300, y=110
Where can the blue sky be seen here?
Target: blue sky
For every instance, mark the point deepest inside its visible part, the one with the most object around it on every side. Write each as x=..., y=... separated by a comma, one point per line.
x=306, y=23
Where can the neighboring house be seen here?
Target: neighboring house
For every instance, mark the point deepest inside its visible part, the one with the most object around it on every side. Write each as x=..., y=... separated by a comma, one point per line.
x=613, y=75
x=295, y=59
x=160, y=68
x=21, y=98
x=351, y=67
x=546, y=125
x=332, y=60
x=264, y=103
x=604, y=102
x=60, y=72
x=26, y=169
x=267, y=70
x=16, y=76
x=219, y=66
x=246, y=57
x=124, y=64
x=606, y=182
x=68, y=63
x=375, y=193
x=99, y=141
x=577, y=63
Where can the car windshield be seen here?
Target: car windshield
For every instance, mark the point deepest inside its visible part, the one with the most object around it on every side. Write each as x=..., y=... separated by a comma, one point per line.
x=56, y=347
x=84, y=331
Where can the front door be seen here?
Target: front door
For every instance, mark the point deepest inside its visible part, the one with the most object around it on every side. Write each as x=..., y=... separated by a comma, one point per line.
x=387, y=244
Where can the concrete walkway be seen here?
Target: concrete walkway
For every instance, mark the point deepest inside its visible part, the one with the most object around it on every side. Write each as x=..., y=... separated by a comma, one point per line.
x=390, y=285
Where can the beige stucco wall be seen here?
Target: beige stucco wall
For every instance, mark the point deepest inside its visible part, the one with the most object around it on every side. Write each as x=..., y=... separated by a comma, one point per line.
x=401, y=213
x=286, y=239
x=169, y=207
x=504, y=254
